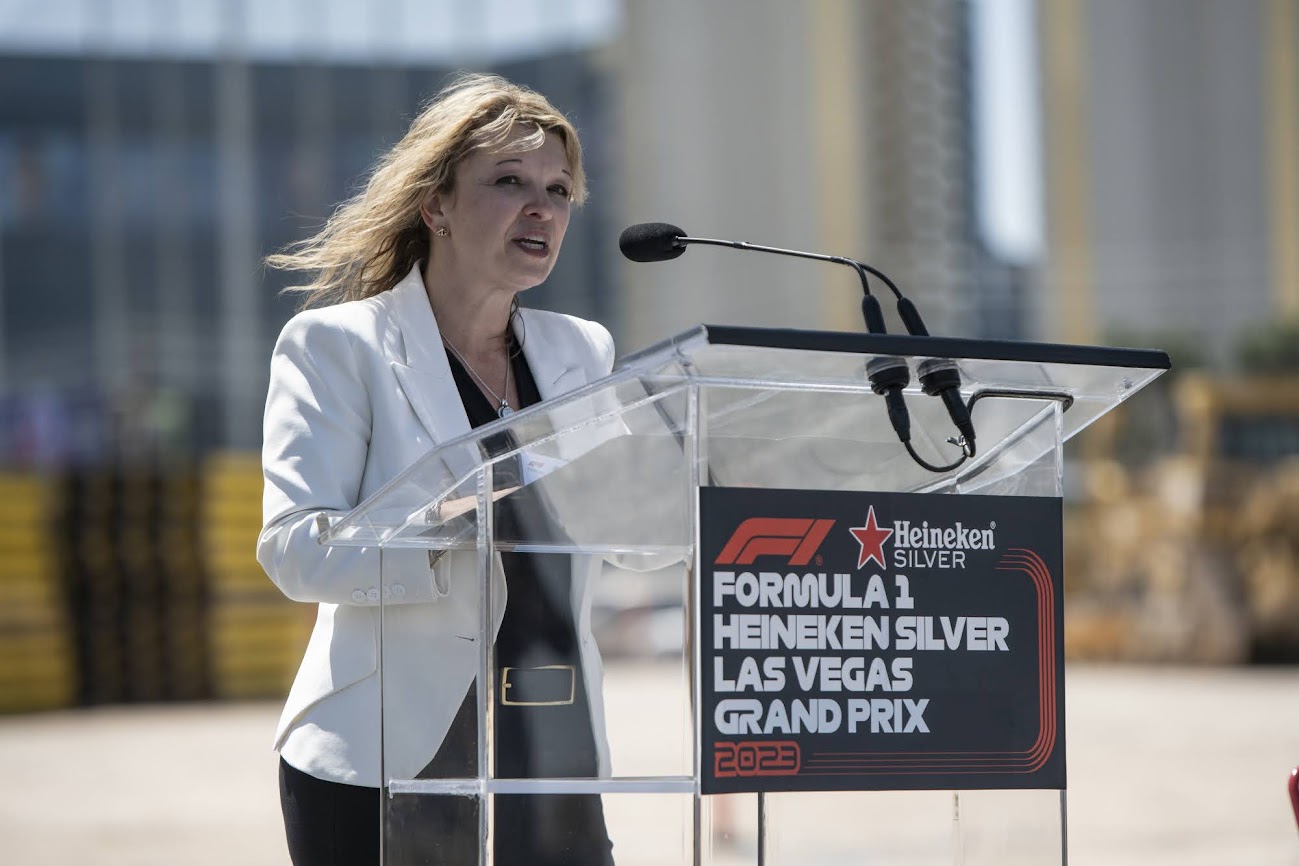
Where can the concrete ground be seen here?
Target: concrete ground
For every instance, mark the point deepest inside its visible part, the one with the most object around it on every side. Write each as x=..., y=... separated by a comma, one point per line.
x=1166, y=766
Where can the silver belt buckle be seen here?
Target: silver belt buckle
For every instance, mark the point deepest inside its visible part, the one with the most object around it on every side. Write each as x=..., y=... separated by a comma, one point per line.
x=546, y=686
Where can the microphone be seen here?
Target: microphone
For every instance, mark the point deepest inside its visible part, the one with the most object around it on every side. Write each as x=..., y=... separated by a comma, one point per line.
x=658, y=242
x=652, y=242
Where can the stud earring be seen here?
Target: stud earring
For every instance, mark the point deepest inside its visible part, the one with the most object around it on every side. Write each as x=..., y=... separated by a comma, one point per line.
x=441, y=232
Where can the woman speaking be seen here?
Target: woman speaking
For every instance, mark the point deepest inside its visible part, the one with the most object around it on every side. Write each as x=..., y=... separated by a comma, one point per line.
x=412, y=334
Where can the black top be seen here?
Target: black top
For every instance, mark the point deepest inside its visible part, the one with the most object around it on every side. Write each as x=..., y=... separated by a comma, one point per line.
x=543, y=720
x=547, y=733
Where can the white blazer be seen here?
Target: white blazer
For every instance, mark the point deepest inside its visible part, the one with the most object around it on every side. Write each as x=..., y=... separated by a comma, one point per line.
x=358, y=392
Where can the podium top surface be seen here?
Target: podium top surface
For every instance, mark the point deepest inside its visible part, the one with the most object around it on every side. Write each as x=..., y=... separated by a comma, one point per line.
x=753, y=407
x=903, y=345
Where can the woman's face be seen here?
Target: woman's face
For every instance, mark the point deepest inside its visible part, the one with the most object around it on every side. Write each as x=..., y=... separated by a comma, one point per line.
x=505, y=217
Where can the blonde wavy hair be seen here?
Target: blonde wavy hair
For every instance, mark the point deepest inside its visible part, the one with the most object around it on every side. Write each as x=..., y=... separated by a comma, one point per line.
x=375, y=238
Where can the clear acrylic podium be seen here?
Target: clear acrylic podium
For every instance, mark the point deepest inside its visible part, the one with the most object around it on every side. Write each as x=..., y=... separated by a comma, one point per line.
x=615, y=468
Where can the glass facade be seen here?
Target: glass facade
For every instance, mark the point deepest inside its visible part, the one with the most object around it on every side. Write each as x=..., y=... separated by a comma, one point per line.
x=137, y=199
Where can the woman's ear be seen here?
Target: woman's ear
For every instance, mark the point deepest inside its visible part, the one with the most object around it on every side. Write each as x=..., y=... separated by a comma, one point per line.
x=430, y=211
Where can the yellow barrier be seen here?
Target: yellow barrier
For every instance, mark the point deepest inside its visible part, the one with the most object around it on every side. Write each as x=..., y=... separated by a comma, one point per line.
x=256, y=635
x=36, y=665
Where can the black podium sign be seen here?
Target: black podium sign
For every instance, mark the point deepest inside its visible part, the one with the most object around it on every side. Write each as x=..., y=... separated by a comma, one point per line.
x=879, y=641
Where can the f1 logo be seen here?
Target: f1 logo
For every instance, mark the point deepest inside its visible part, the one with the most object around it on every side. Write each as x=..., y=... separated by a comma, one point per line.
x=795, y=537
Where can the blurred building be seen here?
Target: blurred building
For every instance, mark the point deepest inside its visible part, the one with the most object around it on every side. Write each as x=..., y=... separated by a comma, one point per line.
x=1172, y=136
x=152, y=153
x=1074, y=170
x=839, y=126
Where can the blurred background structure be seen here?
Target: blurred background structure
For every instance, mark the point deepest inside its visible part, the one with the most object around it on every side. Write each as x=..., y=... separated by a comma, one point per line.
x=1092, y=171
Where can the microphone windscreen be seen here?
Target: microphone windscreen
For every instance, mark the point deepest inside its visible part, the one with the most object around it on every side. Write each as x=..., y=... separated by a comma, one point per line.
x=651, y=242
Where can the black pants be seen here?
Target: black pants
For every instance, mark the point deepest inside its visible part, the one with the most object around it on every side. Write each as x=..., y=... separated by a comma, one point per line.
x=331, y=824
x=328, y=824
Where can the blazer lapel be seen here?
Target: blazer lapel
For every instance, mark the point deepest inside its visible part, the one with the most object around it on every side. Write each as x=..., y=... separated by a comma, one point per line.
x=423, y=373
x=420, y=366
x=551, y=359
x=555, y=354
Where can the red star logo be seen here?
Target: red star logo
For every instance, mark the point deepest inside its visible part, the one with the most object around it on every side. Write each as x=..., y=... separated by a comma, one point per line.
x=871, y=538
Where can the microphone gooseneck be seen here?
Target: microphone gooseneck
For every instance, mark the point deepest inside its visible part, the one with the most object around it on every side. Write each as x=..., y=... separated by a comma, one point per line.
x=861, y=268
x=659, y=241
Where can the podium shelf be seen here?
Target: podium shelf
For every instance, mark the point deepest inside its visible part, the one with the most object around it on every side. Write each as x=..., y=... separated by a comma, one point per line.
x=476, y=787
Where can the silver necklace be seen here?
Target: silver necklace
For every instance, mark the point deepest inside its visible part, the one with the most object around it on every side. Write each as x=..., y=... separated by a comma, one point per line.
x=504, y=411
